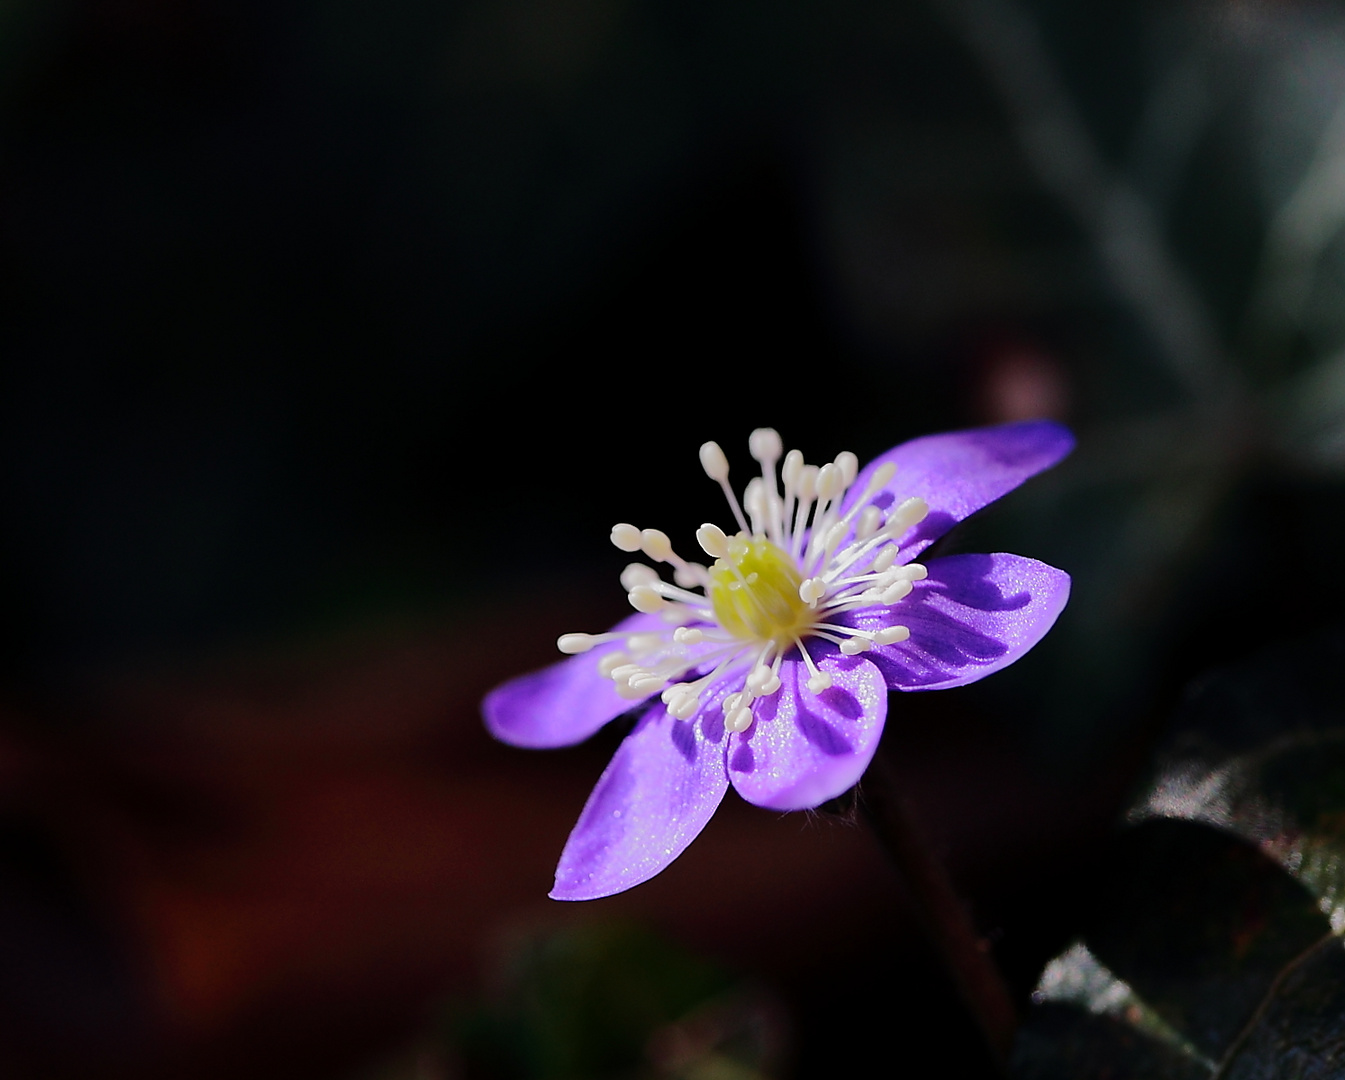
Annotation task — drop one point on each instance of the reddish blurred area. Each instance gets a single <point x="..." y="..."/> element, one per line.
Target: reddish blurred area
<point x="295" y="856"/>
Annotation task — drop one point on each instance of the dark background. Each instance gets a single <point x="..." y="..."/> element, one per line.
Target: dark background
<point x="334" y="337"/>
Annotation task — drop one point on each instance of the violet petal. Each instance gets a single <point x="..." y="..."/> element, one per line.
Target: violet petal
<point x="804" y="748"/>
<point x="973" y="615"/>
<point x="565" y="703"/>
<point x="663" y="784"/>
<point x="959" y="472"/>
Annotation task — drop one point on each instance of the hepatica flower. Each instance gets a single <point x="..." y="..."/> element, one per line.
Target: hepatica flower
<point x="769" y="668"/>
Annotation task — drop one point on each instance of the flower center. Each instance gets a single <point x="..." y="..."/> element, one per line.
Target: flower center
<point x="754" y="591"/>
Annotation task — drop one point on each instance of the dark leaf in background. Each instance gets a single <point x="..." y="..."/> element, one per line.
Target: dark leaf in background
<point x="1213" y="926"/>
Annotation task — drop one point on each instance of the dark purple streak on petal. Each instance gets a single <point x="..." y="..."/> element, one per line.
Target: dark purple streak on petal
<point x="803" y="748"/>
<point x="973" y="615"/>
<point x="663" y="784"/>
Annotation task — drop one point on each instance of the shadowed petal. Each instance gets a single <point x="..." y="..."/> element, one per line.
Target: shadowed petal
<point x="959" y="472"/>
<point x="974" y="614"/>
<point x="661" y="787"/>
<point x="565" y="703"/>
<point x="804" y="748"/>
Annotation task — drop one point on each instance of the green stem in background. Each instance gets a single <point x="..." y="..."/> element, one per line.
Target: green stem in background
<point x="944" y="914"/>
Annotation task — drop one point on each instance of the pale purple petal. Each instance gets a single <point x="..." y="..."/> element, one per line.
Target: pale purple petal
<point x="663" y="784"/>
<point x="565" y="703"/>
<point x="973" y="615"/>
<point x="804" y="748"/>
<point x="959" y="472"/>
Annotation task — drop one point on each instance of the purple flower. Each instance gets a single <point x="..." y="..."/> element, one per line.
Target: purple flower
<point x="770" y="668"/>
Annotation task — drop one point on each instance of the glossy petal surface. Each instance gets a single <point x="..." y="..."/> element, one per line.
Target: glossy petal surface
<point x="959" y="472"/>
<point x="562" y="704"/>
<point x="663" y="784"/>
<point x="973" y="615"/>
<point x="804" y="748"/>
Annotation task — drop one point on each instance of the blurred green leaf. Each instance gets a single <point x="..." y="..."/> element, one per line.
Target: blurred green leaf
<point x="615" y="1001"/>
<point x="1211" y="945"/>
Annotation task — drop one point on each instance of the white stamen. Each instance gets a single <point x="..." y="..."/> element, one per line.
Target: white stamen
<point x="757" y="504"/>
<point x="644" y="598"/>
<point x="891" y="635"/>
<point x="644" y="643"/>
<point x="713" y="541"/>
<point x="830" y="481"/>
<point x="885" y="558"/>
<point x="626" y="537"/>
<point x="812" y="590"/>
<point x="647" y="684"/>
<point x="765" y="446"/>
<point x="763" y="682"/>
<point x="575" y="643"/>
<point x="894" y="592"/>
<point x="740" y="721"/>
<point x="691" y="575"/>
<point x="655" y="544"/>
<point x="855" y="645"/>
<point x="849" y="466"/>
<point x="638" y="574"/>
<point x="909" y="513"/>
<point x="611" y="662"/>
<point x="713" y="461"/>
<point x="688" y="635"/>
<point x="819" y="682"/>
<point x="867" y="525"/>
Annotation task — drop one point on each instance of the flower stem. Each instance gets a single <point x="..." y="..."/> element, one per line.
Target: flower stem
<point x="944" y="914"/>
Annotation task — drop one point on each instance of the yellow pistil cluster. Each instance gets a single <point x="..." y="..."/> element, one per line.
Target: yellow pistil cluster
<point x="754" y="592"/>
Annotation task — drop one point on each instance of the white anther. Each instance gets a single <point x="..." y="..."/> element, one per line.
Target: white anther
<point x="575" y="643"/>
<point x="713" y="461"/>
<point x="914" y="572"/>
<point x="682" y="706"/>
<point x="740" y="721"/>
<point x="830" y="481"/>
<point x="791" y="468"/>
<point x="885" y="558"/>
<point x="812" y="590"/>
<point x="627" y="671"/>
<point x="869" y="519"/>
<point x="807" y="482"/>
<point x="891" y="635"/>
<point x="882" y="476"/>
<point x="819" y="682"/>
<point x="713" y="541"/>
<point x="765" y="446"/>
<point x="834" y="537"/>
<point x="895" y="592"/>
<point x="655" y="544"/>
<point x="688" y="635"/>
<point x="911" y="512"/>
<point x="627" y="691"/>
<point x="756" y="502"/>
<point x="648" y="684"/>
<point x="611" y="662"/>
<point x="854" y="646"/>
<point x="637" y="573"/>
<point x="689" y="575"/>
<point x="760" y="679"/>
<point x="643" y="598"/>
<point x="626" y="537"/>
<point x="849" y="466"/>
<point x="731" y="703"/>
<point x="644" y="643"/>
